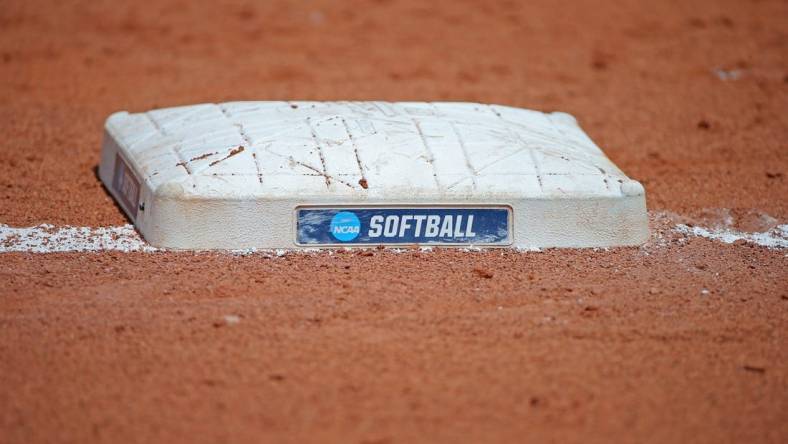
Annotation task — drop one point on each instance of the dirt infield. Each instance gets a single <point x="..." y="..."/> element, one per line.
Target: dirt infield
<point x="681" y="340"/>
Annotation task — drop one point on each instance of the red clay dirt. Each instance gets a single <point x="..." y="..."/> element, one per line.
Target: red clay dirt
<point x="681" y="340"/>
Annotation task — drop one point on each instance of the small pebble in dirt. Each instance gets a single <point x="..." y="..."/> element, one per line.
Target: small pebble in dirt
<point x="482" y="273"/>
<point x="653" y="290"/>
<point x="726" y="75"/>
<point x="704" y="292"/>
<point x="231" y="319"/>
<point x="704" y="125"/>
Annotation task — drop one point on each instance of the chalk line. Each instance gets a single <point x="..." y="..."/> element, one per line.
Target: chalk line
<point x="48" y="238"/>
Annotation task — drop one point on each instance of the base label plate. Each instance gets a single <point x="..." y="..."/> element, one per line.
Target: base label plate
<point x="428" y="225"/>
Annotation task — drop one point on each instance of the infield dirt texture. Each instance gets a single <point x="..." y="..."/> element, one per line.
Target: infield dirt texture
<point x="682" y="340"/>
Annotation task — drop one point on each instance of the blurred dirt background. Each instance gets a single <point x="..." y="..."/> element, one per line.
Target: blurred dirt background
<point x="677" y="341"/>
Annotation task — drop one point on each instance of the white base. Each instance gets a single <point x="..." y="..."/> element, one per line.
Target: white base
<point x="230" y="176"/>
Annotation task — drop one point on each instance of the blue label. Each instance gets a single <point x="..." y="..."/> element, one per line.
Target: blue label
<point x="420" y="225"/>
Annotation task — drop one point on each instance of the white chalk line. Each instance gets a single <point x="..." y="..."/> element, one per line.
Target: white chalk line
<point x="47" y="238"/>
<point x="776" y="238"/>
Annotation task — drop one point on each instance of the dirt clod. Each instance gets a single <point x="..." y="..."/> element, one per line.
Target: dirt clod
<point x="483" y="273"/>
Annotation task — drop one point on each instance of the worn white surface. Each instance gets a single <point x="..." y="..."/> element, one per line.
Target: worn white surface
<point x="230" y="175"/>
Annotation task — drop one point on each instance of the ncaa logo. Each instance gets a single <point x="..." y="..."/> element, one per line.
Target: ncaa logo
<point x="345" y="226"/>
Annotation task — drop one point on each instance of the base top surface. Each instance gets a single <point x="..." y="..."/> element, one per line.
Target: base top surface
<point x="362" y="150"/>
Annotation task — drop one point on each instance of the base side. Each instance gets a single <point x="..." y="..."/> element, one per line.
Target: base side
<point x="112" y="166"/>
<point x="241" y="224"/>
